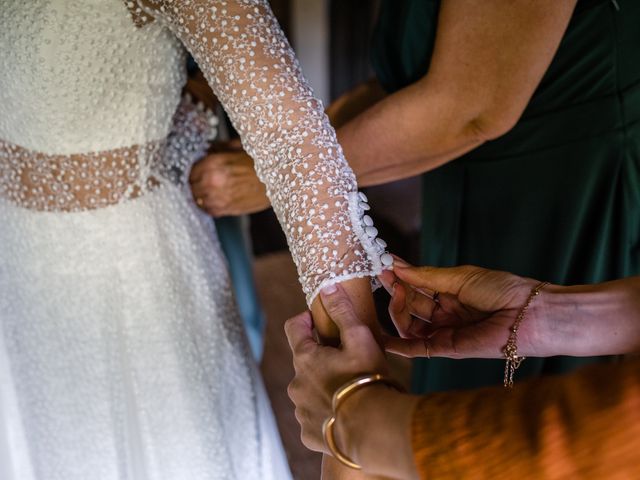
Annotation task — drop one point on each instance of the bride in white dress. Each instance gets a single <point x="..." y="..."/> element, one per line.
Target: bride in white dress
<point x="121" y="352"/>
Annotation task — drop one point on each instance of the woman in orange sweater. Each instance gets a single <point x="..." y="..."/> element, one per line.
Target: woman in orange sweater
<point x="584" y="425"/>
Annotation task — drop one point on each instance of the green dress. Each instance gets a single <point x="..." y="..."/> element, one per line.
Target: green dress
<point x="558" y="197"/>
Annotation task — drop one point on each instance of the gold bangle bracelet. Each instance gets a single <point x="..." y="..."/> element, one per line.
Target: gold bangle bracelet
<point x="339" y="397"/>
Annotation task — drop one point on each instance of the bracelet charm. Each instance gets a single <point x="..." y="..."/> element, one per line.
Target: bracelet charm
<point x="510" y="350"/>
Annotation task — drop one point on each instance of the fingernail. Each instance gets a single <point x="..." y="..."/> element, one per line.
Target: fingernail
<point x="393" y="288"/>
<point x="330" y="289"/>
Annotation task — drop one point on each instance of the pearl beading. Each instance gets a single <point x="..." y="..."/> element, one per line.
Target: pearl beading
<point x="73" y="183"/>
<point x="251" y="67"/>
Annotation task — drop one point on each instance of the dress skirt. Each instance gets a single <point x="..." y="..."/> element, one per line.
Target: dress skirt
<point x="122" y="355"/>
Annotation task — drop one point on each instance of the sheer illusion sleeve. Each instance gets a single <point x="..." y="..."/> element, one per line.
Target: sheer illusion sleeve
<point x="251" y="67"/>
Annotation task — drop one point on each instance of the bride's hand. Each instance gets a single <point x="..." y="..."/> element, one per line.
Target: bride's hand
<point x="225" y="183"/>
<point x="461" y="312"/>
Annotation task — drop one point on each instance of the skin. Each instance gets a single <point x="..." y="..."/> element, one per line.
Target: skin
<point x="225" y="183"/>
<point x="226" y="180"/>
<point x="489" y="58"/>
<point x="471" y="319"/>
<point x="477" y="308"/>
<point x="485" y="69"/>
<point x="358" y="352"/>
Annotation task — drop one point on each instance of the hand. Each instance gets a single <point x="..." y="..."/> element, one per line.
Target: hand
<point x="321" y="370"/>
<point x="471" y="316"/>
<point x="225" y="183"/>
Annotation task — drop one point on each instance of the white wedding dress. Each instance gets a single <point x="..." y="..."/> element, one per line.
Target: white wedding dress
<point x="121" y="352"/>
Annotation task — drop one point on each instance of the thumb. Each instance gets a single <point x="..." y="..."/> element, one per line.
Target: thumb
<point x="340" y="309"/>
<point x="299" y="331"/>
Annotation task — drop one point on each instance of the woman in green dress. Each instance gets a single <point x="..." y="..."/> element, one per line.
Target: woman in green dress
<point x="526" y="116"/>
<point x="558" y="196"/>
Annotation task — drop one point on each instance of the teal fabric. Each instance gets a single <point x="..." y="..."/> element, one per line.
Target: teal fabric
<point x="236" y="247"/>
<point x="558" y="197"/>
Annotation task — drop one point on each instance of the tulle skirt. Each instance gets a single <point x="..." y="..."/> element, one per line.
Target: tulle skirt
<point x="122" y="356"/>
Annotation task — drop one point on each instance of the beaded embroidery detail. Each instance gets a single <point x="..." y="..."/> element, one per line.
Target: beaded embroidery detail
<point x="66" y="160"/>
<point x="86" y="181"/>
<point x="251" y="67"/>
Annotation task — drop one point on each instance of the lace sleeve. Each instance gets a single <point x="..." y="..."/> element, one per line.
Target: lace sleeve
<point x="252" y="69"/>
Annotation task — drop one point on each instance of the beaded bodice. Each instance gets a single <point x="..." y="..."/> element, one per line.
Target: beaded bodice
<point x="89" y="91"/>
<point x="77" y="76"/>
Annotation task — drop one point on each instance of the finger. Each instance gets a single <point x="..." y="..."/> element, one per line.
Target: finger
<point x="243" y="160"/>
<point x="209" y="201"/>
<point x="387" y="279"/>
<point x="211" y="163"/>
<point x="399" y="313"/>
<point x="406" y="347"/>
<point x="201" y="166"/>
<point x="196" y="171"/>
<point x="444" y="342"/>
<point x="450" y="312"/>
<point x="354" y="333"/>
<point x="200" y="190"/>
<point x="213" y="207"/>
<point x="299" y="331"/>
<point x="433" y="279"/>
<point x="339" y="307"/>
<point x="201" y="199"/>
<point x="399" y="263"/>
<point x="213" y="181"/>
<point x="419" y="304"/>
<point x="411" y="312"/>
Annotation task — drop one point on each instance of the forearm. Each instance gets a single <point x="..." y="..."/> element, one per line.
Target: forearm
<point x="409" y="132"/>
<point x="588" y="320"/>
<point x="354" y="102"/>
<point x="484" y="70"/>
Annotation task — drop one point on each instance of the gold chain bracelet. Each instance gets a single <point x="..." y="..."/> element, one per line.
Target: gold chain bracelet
<point x="339" y="397"/>
<point x="510" y="350"/>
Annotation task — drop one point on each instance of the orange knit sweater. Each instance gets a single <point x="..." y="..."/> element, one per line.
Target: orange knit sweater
<point x="585" y="425"/>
